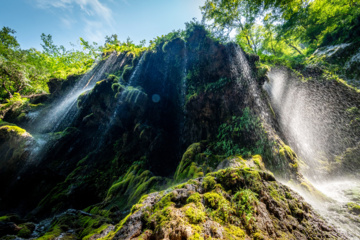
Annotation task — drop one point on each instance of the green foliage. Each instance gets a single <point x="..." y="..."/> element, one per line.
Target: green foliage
<point x="245" y="203"/>
<point x="285" y="32"/>
<point x="163" y="40"/>
<point x="113" y="44"/>
<point x="215" y="86"/>
<point x="16" y="99"/>
<point x="242" y="135"/>
<point x="28" y="71"/>
<point x="60" y="63"/>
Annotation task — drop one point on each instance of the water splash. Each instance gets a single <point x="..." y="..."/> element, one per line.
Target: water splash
<point x="241" y="70"/>
<point x="335" y="211"/>
<point x="311" y="120"/>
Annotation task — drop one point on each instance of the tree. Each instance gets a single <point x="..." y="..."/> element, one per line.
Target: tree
<point x="28" y="71"/>
<point x="234" y="14"/>
<point x="298" y="26"/>
<point x="12" y="72"/>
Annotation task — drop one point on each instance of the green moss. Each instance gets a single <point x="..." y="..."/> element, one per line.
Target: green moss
<point x="162" y="217"/>
<point x="275" y="194"/>
<point x="111" y="235"/>
<point x="96" y="231"/>
<point x="164" y="202"/>
<point x="306" y="187"/>
<point x="128" y="189"/>
<point x="20" y="117"/>
<point x="4" y="218"/>
<point x="24" y="232"/>
<point x="258" y="236"/>
<point x="51" y="234"/>
<point x="213" y="200"/>
<point x="285" y="151"/>
<point x="187" y="168"/>
<point x="194" y="214"/>
<point x="14" y="129"/>
<point x="196" y="236"/>
<point x="354" y="208"/>
<point x="136" y="207"/>
<point x="258" y="162"/>
<point x="194" y="198"/>
<point x="234" y="232"/>
<point x="209" y="183"/>
<point x="143" y="197"/>
<point x="220" y="208"/>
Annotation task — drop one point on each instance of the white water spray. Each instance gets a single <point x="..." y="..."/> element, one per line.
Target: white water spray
<point x="61" y="108"/>
<point x="311" y="122"/>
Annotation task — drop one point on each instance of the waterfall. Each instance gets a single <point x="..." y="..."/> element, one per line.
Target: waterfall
<point x="241" y="70"/>
<point x="62" y="111"/>
<point x="184" y="77"/>
<point x="313" y="124"/>
<point x="128" y="95"/>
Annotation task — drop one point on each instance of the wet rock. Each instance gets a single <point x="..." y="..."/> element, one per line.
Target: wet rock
<point x="168" y="216"/>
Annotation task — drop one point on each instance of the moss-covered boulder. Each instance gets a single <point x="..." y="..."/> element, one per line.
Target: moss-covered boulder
<point x="233" y="203"/>
<point x="15" y="146"/>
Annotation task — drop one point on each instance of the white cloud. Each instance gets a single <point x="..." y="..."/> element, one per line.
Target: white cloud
<point x="95" y="31"/>
<point x="67" y="21"/>
<point x="90" y="7"/>
<point x="96" y="16"/>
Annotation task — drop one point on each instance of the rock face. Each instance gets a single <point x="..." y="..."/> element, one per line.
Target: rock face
<point x="236" y="203"/>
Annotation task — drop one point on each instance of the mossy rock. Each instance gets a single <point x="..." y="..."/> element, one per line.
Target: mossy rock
<point x="196" y="162"/>
<point x="354" y="208"/>
<point x="81" y="224"/>
<point x="235" y="206"/>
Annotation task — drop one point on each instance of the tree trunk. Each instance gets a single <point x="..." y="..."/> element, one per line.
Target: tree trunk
<point x="247" y="38"/>
<point x="7" y="90"/>
<point x="295" y="48"/>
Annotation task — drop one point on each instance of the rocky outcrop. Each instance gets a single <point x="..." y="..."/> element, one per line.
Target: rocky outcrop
<point x="236" y="203"/>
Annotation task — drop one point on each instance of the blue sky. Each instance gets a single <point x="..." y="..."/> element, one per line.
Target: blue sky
<point x="68" y="20"/>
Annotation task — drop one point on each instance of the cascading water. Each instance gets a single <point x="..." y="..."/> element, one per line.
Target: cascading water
<point x="312" y="121"/>
<point x="61" y="113"/>
<point x="242" y="71"/>
<point x="184" y="77"/>
<point x="129" y="94"/>
<point x="60" y="109"/>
